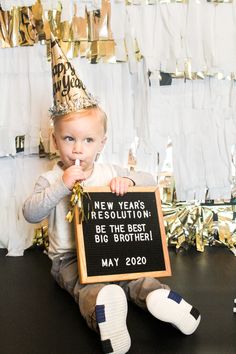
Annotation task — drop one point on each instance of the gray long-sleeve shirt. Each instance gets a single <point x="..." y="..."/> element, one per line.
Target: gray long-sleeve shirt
<point x="50" y="199"/>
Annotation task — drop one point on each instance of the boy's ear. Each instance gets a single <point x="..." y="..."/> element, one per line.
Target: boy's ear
<point x="103" y="142"/>
<point x="54" y="141"/>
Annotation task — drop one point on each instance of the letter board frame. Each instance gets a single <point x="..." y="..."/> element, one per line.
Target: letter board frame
<point x="147" y="234"/>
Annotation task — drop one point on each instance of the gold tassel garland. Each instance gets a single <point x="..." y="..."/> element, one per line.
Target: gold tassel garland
<point x="76" y="201"/>
<point x="190" y="225"/>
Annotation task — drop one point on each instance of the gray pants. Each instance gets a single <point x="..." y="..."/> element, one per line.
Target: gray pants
<point x="65" y="271"/>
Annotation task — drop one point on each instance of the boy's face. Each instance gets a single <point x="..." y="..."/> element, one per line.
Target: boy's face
<point x="80" y="136"/>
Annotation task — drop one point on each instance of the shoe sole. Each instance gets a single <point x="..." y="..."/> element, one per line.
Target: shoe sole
<point x="168" y="306"/>
<point x="111" y="313"/>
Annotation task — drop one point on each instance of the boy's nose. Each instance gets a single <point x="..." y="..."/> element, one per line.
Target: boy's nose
<point x="77" y="148"/>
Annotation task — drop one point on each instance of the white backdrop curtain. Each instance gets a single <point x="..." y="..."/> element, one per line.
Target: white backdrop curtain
<point x="199" y="116"/>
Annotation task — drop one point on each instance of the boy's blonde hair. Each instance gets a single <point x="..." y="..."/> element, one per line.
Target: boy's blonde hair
<point x="83" y="112"/>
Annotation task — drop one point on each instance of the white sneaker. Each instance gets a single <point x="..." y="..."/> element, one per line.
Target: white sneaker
<point x="168" y="306"/>
<point x="111" y="313"/>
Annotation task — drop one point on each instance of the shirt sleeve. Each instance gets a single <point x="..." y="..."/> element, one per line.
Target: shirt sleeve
<point x="43" y="199"/>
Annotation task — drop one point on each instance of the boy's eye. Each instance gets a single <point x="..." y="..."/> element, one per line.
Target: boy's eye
<point x="89" y="140"/>
<point x="68" y="138"/>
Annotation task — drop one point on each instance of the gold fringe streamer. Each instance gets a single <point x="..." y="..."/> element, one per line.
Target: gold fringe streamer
<point x="76" y="201"/>
<point x="41" y="237"/>
<point x="89" y="37"/>
<point x="199" y="226"/>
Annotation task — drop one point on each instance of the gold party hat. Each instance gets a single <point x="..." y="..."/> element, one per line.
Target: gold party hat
<point x="69" y="92"/>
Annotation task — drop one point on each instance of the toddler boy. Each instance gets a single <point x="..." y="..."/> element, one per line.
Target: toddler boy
<point x="80" y="135"/>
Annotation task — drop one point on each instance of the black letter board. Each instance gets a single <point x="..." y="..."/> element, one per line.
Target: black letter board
<point x="123" y="238"/>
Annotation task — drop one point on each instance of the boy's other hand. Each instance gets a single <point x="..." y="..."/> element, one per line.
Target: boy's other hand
<point x="120" y="185"/>
<point x="71" y="175"/>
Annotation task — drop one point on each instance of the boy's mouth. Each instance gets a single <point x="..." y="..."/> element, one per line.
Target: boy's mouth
<point x="74" y="162"/>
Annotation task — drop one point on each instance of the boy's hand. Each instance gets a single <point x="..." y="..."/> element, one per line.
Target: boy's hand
<point x="71" y="175"/>
<point x="120" y="185"/>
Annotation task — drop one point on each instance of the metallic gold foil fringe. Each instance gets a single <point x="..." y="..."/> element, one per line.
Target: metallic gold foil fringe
<point x="41" y="237"/>
<point x="77" y="201"/>
<point x="199" y="226"/>
<point x="89" y="36"/>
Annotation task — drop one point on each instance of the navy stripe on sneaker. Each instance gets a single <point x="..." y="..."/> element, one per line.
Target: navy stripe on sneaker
<point x="106" y="346"/>
<point x="174" y="296"/>
<point x="100" y="313"/>
<point x="195" y="313"/>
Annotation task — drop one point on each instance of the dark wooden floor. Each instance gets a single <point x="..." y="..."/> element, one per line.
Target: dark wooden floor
<point x="37" y="317"/>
